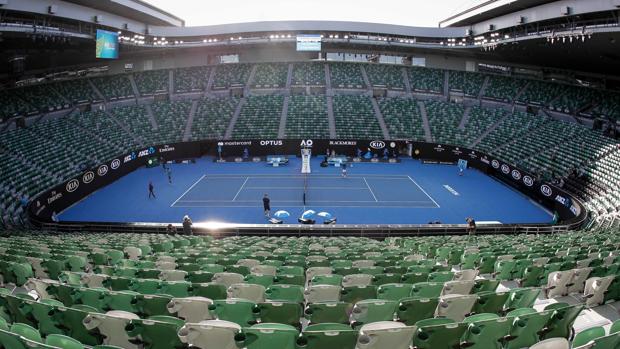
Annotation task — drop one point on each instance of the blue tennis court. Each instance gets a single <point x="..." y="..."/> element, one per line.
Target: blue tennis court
<point x="404" y="193"/>
<point x="352" y="191"/>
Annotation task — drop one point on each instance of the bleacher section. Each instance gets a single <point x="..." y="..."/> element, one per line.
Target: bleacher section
<point x="193" y="79"/>
<point x="467" y="82"/>
<point x="152" y="82"/>
<point x="444" y="119"/>
<point x="157" y="291"/>
<point x="11" y="104"/>
<point x="259" y="118"/>
<point x="346" y="75"/>
<point x="136" y="119"/>
<point x="573" y="99"/>
<point x="504" y="88"/>
<point x="76" y="91"/>
<point x="229" y="75"/>
<point x="307" y="117"/>
<point x="114" y="86"/>
<point x="426" y="79"/>
<point x="171" y="118"/>
<point x="480" y="119"/>
<point x="270" y="75"/>
<point x="309" y="74"/>
<point x="512" y="127"/>
<point x="385" y="75"/>
<point x="212" y="117"/>
<point x="44" y="98"/>
<point x="355" y="116"/>
<point x="540" y="93"/>
<point x="402" y="117"/>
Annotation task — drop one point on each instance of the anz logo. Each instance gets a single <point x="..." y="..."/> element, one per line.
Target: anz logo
<point x="377" y="144"/>
<point x="307" y="143"/>
<point x="72" y="185"/>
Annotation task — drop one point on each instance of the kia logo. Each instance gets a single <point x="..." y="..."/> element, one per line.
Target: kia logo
<point x="377" y="144"/>
<point x="529" y="181"/>
<point x="546" y="190"/>
<point x="116" y="163"/>
<point x="88" y="177"/>
<point x="102" y="170"/>
<point x="505" y="169"/>
<point x="495" y="164"/>
<point x="72" y="185"/>
<point x="516" y="174"/>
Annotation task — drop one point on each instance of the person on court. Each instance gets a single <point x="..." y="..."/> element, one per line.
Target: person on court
<point x="169" y="173"/>
<point x="344" y="170"/>
<point x="151" y="190"/>
<point x="267" y="205"/>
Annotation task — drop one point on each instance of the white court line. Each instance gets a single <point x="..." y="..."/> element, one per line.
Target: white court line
<point x="373" y="194"/>
<point x="241" y="188"/>
<point x="295" y="206"/>
<point x="312" y="188"/>
<point x="424" y="191"/>
<point x="218" y="176"/>
<point x="188" y="189"/>
<point x="276" y="201"/>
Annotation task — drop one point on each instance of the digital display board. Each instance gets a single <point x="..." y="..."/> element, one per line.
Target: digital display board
<point x="309" y="42"/>
<point x="107" y="44"/>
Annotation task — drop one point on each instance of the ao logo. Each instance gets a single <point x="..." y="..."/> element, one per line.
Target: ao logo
<point x="546" y="190"/>
<point x="505" y="169"/>
<point x="220" y="143"/>
<point x="72" y="185"/>
<point x="88" y="177"/>
<point x="516" y="174"/>
<point x="306" y="143"/>
<point x="102" y="170"/>
<point x="116" y="163"/>
<point x="529" y="181"/>
<point x="495" y="164"/>
<point x="377" y="144"/>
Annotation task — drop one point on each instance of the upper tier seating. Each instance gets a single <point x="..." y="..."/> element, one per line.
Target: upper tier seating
<point x="227" y="75"/>
<point x="444" y="119"/>
<point x="346" y="75"/>
<point x="270" y="75"/>
<point x="152" y="82"/>
<point x="504" y="88"/>
<point x="467" y="82"/>
<point x="114" y="86"/>
<point x="426" y="79"/>
<point x="171" y="118"/>
<point x="540" y="93"/>
<point x="386" y="75"/>
<point x="193" y="79"/>
<point x="312" y="74"/>
<point x="76" y="91"/>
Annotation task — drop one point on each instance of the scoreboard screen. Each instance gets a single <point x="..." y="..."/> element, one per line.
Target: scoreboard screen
<point x="309" y="42"/>
<point x="107" y="44"/>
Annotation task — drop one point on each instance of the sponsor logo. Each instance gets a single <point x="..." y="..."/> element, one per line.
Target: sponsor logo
<point x="306" y="143"/>
<point x="342" y="142"/>
<point x="102" y="170"/>
<point x="416" y="152"/>
<point x="72" y="185"/>
<point x="166" y="149"/>
<point x="574" y="210"/>
<point x="39" y="210"/>
<point x="377" y="144"/>
<point x="88" y="177"/>
<point x="439" y="148"/>
<point x="53" y="197"/>
<point x="528" y="180"/>
<point x="233" y="143"/>
<point x="129" y="157"/>
<point x="505" y="169"/>
<point x="561" y="199"/>
<point x="516" y="175"/>
<point x="484" y="160"/>
<point x="116" y="163"/>
<point x="38" y="203"/>
<point x="392" y="145"/>
<point x="271" y="142"/>
<point x="546" y="190"/>
<point x="473" y="155"/>
<point x="146" y="152"/>
<point x="495" y="164"/>
<point x="457" y="151"/>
